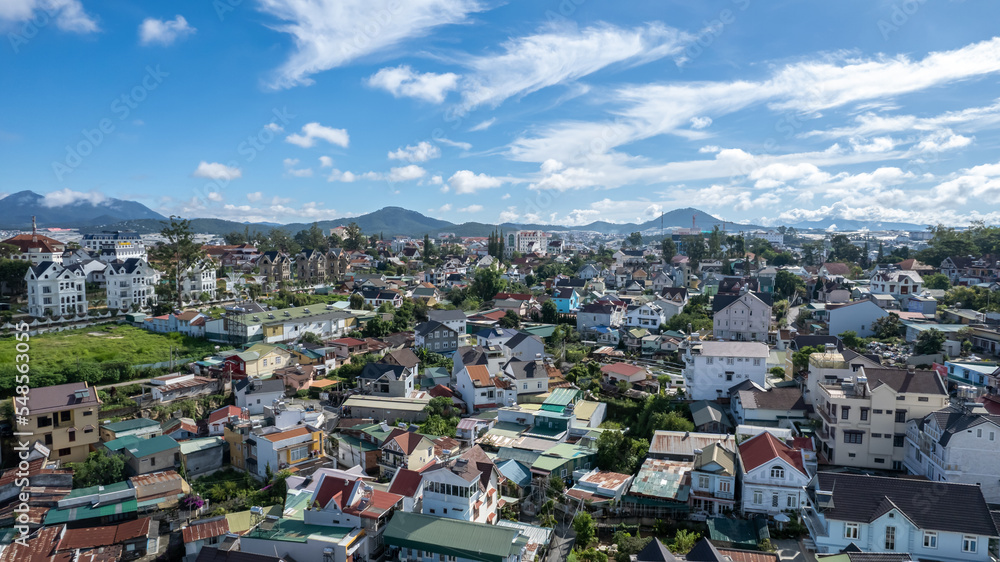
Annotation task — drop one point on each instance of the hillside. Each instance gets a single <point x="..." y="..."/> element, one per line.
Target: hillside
<point x="18" y="208"/>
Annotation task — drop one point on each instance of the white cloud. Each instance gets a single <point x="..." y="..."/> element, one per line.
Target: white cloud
<point x="456" y="144"/>
<point x="483" y="125"/>
<point x="436" y="180"/>
<point x="442" y="209"/>
<point x="331" y="33"/>
<point x="509" y="215"/>
<point x="700" y="122"/>
<point x="69" y="197"/>
<point x="402" y="81"/>
<point x="68" y="14"/>
<point x="505" y="196"/>
<point x="420" y="152"/>
<point x="406" y="173"/>
<point x="467" y="181"/>
<point x="877" y="144"/>
<point x="325" y="162"/>
<point x="942" y="140"/>
<point x="164" y="32"/>
<point x="471" y="209"/>
<point x="274" y="127"/>
<point x="300" y="172"/>
<point x="290" y="161"/>
<point x="709" y="149"/>
<point x="313" y="131"/>
<point x="217" y="171"/>
<point x="255" y="196"/>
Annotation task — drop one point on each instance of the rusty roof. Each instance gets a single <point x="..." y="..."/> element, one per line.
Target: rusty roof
<point x="282" y="435"/>
<point x="201" y="530"/>
<point x="480" y="375"/>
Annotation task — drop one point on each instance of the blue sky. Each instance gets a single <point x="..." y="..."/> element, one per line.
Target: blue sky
<point x="561" y="112"/>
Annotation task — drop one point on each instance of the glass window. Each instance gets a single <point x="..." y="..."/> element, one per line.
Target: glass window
<point x="890" y="538"/>
<point x="852" y="530"/>
<point x="777" y="472"/>
<point x="758" y="497"/>
<point x="969" y="543"/>
<point x="930" y="539"/>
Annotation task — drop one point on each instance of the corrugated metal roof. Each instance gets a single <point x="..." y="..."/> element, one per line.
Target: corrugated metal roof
<point x="56" y="516"/>
<point x="662" y="479"/>
<point x="462" y="539"/>
<point x="203" y="444"/>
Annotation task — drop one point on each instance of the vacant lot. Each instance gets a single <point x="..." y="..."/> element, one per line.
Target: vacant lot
<point x="63" y="351"/>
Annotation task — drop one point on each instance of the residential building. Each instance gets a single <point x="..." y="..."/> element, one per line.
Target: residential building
<point x="713" y="481"/>
<point x="64" y="419"/>
<point x="343" y="500"/>
<point x="279" y="450"/>
<point x="177" y="386"/>
<point x="566" y="300"/>
<point x="386" y="408"/>
<point x="405" y="449"/>
<point x="750" y="404"/>
<point x="197" y="282"/>
<point x="348" y="347"/>
<point x="617" y="372"/>
<point x="454" y="319"/>
<point x="36" y="248"/>
<point x="527" y="377"/>
<point x="381" y="379"/>
<point x="119" y="245"/>
<point x="275" y="267"/>
<point x="711" y="368"/>
<point x="416" y="537"/>
<point x="218" y="419"/>
<point x="436" y="336"/>
<point x="311" y="266"/>
<point x="131" y="284"/>
<point x="898" y="283"/>
<point x="143" y="456"/>
<point x="54" y="290"/>
<point x="977" y="373"/>
<point x="647" y="315"/>
<point x="672" y="301"/>
<point x="139" y="427"/>
<point x="202" y="456"/>
<point x="742" y="317"/>
<point x="253" y="394"/>
<point x="464" y="487"/>
<point x="610" y="314"/>
<point x="773" y="475"/>
<point x="710" y="417"/>
<point x="376" y="296"/>
<point x="856" y="316"/>
<point x="180" y="428"/>
<point x="865" y="417"/>
<point x="480" y="389"/>
<point x="932" y="521"/>
<point x="258" y="360"/>
<point x="956" y="444"/>
<point x="524" y="347"/>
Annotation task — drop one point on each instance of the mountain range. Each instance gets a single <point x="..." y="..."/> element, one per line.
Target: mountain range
<point x="117" y="214"/>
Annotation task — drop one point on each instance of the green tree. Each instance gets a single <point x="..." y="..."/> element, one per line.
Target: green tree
<point x="441" y="406"/>
<point x="671" y="421"/>
<point x="586" y="530"/>
<point x="550" y="312"/>
<point x="177" y="252"/>
<point x="694" y="247"/>
<point x="843" y="250"/>
<point x="441" y="427"/>
<point x="800" y="359"/>
<point x="929" y="342"/>
<point x="715" y="243"/>
<point x="486" y="284"/>
<point x="937" y="281"/>
<point x="887" y="327"/>
<point x="376" y="328"/>
<point x="683" y="541"/>
<point x="355" y="239"/>
<point x="100" y="469"/>
<point x="634" y="239"/>
<point x="312" y="238"/>
<point x="357" y="301"/>
<point x="851" y="339"/>
<point x="668" y="248"/>
<point x="787" y="284"/>
<point x="510" y="319"/>
<point x="278" y="240"/>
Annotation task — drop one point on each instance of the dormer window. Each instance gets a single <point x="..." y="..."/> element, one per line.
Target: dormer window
<point x="777" y="472"/>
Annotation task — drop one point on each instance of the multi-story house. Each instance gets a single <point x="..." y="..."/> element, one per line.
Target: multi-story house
<point x="743" y="317"/>
<point x="648" y="315"/>
<point x="311" y="266"/>
<point x="937" y="521"/>
<point x="341" y="499"/>
<point x="435" y="336"/>
<point x="898" y="283"/>
<point x="672" y="301"/>
<point x="35" y="247"/>
<point x="275" y="267"/>
<point x="956" y="444"/>
<point x="566" y="300"/>
<point x="527" y="242"/>
<point x="463" y="488"/>
<point x="269" y="448"/>
<point x="198" y="280"/>
<point x="712" y="368"/>
<point x="381" y="379"/>
<point x="119" y="245"/>
<point x="481" y="390"/>
<point x="131" y="284"/>
<point x="415" y="537"/>
<point x="527" y="377"/>
<point x="609" y="314"/>
<point x="254" y="394"/>
<point x="64" y="419"/>
<point x="713" y="481"/>
<point x="55" y="291"/>
<point x="376" y="296"/>
<point x="773" y="475"/>
<point x="864" y="418"/>
<point x="405" y="449"/>
<point x="857" y="316"/>
<point x="454" y="319"/>
<point x="337" y="262"/>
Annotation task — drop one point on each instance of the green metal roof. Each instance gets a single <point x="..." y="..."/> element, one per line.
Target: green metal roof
<point x="559" y="399"/>
<point x="540" y="331"/>
<point x="145" y="447"/>
<point x="110" y="488"/>
<point x="451" y="537"/>
<point x="130" y="425"/>
<point x="122" y="442"/>
<point x="56" y="516"/>
<point x="355" y="442"/>
<point x="203" y="444"/>
<point x="738" y="531"/>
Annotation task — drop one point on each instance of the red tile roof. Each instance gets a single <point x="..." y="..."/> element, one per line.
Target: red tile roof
<point x="336" y="489"/>
<point x="441" y="390"/>
<point x="764" y="448"/>
<point x="406" y="440"/>
<point x="405" y="482"/>
<point x="282" y="435"/>
<point x="205" y="530"/>
<point x="225" y="413"/>
<point x="623" y="369"/>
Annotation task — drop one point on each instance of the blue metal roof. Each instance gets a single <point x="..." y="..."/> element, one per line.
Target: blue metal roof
<point x="515" y="472"/>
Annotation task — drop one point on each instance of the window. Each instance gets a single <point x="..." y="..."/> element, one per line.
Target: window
<point x="729" y="360"/>
<point x="774" y="500"/>
<point x="876" y="435"/>
<point x="710" y="360"/>
<point x="66" y="451"/>
<point x="854" y="437"/>
<point x="724" y="486"/>
<point x="48" y="439"/>
<point x="890" y="538"/>
<point x="897" y="440"/>
<point x="930" y="539"/>
<point x="845" y="412"/>
<point x="72" y="435"/>
<point x="900" y="416"/>
<point x="923" y="399"/>
<point x="852" y="530"/>
<point x="44" y="421"/>
<point x="152" y="461"/>
<point x="979" y="433"/>
<point x="777" y="472"/>
<point x="758" y="497"/>
<point x="298" y="453"/>
<point x="793" y="502"/>
<point x="969" y="543"/>
<point x="729" y="376"/>
<point x="756" y="362"/>
<point x="876" y="411"/>
<point x="879" y="460"/>
<point x="65" y="415"/>
<point x="703" y="481"/>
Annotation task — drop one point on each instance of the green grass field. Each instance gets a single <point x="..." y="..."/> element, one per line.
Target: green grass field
<point x="59" y="352"/>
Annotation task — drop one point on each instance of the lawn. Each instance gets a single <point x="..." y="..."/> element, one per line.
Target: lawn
<point x="62" y="351"/>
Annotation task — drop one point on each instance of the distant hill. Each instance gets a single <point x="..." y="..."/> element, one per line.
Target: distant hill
<point x="845" y="224"/>
<point x="682" y="218"/>
<point x="18" y="208"/>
